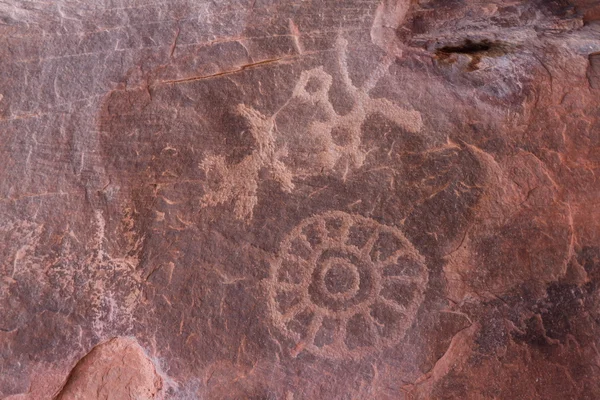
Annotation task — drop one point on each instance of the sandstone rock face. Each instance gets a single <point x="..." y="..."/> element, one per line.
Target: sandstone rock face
<point x="277" y="199"/>
<point x="117" y="369"/>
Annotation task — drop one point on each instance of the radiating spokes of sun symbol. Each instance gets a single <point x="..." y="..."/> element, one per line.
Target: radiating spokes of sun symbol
<point x="344" y="286"/>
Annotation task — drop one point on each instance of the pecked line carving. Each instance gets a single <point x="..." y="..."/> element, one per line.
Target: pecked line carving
<point x="345" y="286"/>
<point x="332" y="142"/>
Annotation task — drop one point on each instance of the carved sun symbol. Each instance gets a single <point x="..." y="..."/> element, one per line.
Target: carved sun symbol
<point x="344" y="286"/>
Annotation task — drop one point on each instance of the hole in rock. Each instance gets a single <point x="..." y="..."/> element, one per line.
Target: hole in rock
<point x="468" y="47"/>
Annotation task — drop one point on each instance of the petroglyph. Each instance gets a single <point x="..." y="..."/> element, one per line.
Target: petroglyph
<point x="328" y="142"/>
<point x="338" y="137"/>
<point x="239" y="182"/>
<point x="344" y="286"/>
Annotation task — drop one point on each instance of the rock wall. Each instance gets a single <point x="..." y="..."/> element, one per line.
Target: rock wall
<point x="280" y="199"/>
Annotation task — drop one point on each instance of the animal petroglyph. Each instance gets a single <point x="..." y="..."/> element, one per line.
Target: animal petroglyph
<point x="321" y="145"/>
<point x="239" y="182"/>
<point x="345" y="286"/>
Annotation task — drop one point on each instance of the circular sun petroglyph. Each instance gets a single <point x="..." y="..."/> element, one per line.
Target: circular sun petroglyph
<point x="344" y="286"/>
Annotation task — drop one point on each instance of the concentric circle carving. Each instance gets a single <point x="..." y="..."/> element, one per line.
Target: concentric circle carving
<point x="344" y="286"/>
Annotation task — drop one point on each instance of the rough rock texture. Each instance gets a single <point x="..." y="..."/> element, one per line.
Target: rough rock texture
<point x="284" y="199"/>
<point x="117" y="369"/>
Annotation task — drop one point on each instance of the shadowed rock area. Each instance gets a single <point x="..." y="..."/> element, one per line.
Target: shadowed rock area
<point x="234" y="199"/>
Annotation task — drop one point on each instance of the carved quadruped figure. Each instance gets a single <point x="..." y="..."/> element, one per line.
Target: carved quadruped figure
<point x="239" y="182"/>
<point x="344" y="286"/>
<point x="329" y="143"/>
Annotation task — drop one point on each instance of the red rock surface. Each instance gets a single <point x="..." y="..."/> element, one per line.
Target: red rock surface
<point x="117" y="369"/>
<point x="299" y="199"/>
